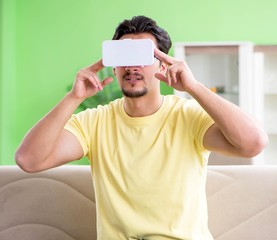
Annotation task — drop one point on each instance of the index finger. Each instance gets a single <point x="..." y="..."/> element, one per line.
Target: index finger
<point x="96" y="66"/>
<point x="164" y="57"/>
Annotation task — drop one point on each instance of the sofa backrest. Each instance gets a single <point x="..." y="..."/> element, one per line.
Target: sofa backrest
<point x="59" y="203"/>
<point x="242" y="202"/>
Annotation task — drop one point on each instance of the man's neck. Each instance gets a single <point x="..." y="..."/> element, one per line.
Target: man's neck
<point x="142" y="106"/>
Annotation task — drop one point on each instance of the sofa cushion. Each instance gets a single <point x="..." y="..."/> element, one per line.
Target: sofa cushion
<point x="59" y="203"/>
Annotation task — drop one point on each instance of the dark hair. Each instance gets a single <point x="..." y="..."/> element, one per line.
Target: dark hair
<point x="142" y="24"/>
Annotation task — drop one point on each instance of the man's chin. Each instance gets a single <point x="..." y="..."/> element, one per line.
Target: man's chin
<point x="134" y="94"/>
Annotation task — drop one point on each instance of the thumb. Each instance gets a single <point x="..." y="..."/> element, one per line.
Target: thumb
<point x="161" y="77"/>
<point x="106" y="81"/>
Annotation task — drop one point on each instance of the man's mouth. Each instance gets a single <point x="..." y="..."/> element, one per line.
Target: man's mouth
<point x="133" y="77"/>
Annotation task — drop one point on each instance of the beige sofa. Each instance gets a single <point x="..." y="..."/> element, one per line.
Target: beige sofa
<point x="59" y="204"/>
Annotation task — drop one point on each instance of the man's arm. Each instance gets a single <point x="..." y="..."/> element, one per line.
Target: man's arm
<point x="234" y="132"/>
<point x="48" y="144"/>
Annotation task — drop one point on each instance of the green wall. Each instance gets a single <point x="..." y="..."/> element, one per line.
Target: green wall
<point x="44" y="43"/>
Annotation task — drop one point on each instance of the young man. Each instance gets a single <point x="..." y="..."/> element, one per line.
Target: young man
<point x="148" y="152"/>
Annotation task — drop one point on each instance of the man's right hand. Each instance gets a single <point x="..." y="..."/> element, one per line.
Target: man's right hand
<point x="48" y="144"/>
<point x="87" y="82"/>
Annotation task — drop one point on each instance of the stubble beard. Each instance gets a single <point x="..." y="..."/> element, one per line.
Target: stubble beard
<point x="134" y="93"/>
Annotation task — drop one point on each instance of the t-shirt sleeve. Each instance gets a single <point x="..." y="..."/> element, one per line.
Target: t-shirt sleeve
<point x="75" y="125"/>
<point x="198" y="121"/>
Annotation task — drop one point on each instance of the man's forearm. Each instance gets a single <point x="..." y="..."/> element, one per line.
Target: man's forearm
<point x="40" y="141"/>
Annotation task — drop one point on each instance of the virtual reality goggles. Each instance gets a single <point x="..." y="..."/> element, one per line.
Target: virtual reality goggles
<point x="128" y="52"/>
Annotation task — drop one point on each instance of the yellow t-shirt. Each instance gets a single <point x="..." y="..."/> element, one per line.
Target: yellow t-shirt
<point x="149" y="173"/>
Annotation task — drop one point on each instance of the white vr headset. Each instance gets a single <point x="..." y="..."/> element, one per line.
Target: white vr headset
<point x="128" y="52"/>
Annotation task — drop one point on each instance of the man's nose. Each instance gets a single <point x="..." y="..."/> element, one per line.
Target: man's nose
<point x="132" y="68"/>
